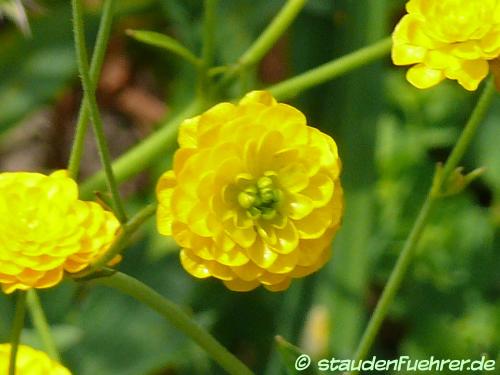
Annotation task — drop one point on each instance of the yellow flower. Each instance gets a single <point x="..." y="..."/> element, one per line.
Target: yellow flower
<point x="30" y="362"/>
<point x="254" y="197"/>
<point x="45" y="230"/>
<point x="447" y="39"/>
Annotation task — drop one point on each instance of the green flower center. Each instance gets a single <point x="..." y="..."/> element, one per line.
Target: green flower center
<point x="261" y="199"/>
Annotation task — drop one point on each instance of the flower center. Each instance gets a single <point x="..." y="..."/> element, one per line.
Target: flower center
<point x="261" y="199"/>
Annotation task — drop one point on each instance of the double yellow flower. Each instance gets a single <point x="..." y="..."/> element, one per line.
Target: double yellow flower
<point x="452" y="39"/>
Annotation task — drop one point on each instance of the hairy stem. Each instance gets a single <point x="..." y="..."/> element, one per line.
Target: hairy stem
<point x="95" y="69"/>
<point x="95" y="116"/>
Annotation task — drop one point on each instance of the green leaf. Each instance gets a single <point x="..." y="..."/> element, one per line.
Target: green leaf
<point x="164" y="41"/>
<point x="294" y="358"/>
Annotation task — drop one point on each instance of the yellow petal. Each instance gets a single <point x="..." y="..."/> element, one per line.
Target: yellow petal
<point x="297" y="206"/>
<point x="194" y="265"/>
<point x="407" y="54"/>
<point x="247" y="272"/>
<point x="238" y="285"/>
<point x="319" y="190"/>
<point x="280" y="286"/>
<point x="470" y="74"/>
<point x="261" y="254"/>
<point x="188" y="132"/>
<point x="261" y="97"/>
<point x="424" y="77"/>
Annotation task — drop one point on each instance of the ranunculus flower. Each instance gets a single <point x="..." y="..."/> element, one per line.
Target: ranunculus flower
<point x="447" y="39"/>
<point x="46" y="230"/>
<point x="254" y="196"/>
<point x="30" y="362"/>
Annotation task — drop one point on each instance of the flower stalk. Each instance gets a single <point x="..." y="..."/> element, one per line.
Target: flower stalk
<point x="175" y="315"/>
<point x="89" y="91"/>
<point x="41" y="325"/>
<point x="207" y="59"/>
<point x="17" y="327"/>
<point x="128" y="229"/>
<point x="95" y="69"/>
<point x="336" y="68"/>
<point x="433" y="196"/>
<point x="150" y="149"/>
<point x="267" y="39"/>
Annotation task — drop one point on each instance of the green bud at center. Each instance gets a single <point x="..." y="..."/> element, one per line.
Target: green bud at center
<point x="261" y="199"/>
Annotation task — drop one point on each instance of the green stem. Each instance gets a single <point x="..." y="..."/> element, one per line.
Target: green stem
<point x="268" y="38"/>
<point x="173" y="313"/>
<point x="323" y="73"/>
<point x="95" y="69"/>
<point x="142" y="155"/>
<point x="272" y="33"/>
<point x="41" y="325"/>
<point x="89" y="91"/>
<point x="412" y="241"/>
<point x="127" y="230"/>
<point x="469" y="131"/>
<point x="208" y="49"/>
<point x="17" y="327"/>
<point x="145" y="153"/>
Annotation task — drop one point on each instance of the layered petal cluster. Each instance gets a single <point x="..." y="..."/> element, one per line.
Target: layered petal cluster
<point x="30" y="362"/>
<point x="447" y="39"/>
<point x="46" y="230"/>
<point x="254" y="197"/>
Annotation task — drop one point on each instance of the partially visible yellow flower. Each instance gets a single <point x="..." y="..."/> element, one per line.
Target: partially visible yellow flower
<point x="447" y="39"/>
<point x="45" y="230"/>
<point x="30" y="362"/>
<point x="254" y="197"/>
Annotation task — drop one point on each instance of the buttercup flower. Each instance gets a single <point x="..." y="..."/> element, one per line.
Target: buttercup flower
<point x="45" y="230"/>
<point x="30" y="362"/>
<point x="254" y="197"/>
<point x="448" y="39"/>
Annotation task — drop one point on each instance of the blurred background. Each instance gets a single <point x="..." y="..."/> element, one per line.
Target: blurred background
<point x="390" y="136"/>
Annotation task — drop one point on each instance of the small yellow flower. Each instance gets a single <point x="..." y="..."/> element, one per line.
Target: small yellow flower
<point x="452" y="39"/>
<point x="45" y="230"/>
<point x="254" y="197"/>
<point x="30" y="362"/>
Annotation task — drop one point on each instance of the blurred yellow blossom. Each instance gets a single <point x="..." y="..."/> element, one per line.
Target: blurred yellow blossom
<point x="254" y="197"/>
<point x="452" y="39"/>
<point x="45" y="230"/>
<point x="30" y="362"/>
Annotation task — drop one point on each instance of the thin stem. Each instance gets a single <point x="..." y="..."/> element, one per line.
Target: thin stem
<point x="173" y="313"/>
<point x="268" y="38"/>
<point x="127" y="230"/>
<point x="412" y="241"/>
<point x="89" y="91"/>
<point x="17" y="327"/>
<point x="395" y="280"/>
<point x="323" y="73"/>
<point x="143" y="154"/>
<point x="95" y="69"/>
<point x="208" y="52"/>
<point x="41" y="325"/>
<point x="469" y="131"/>
<point x="272" y="33"/>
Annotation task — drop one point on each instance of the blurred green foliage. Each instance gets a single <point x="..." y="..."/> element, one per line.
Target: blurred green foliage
<point x="390" y="137"/>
